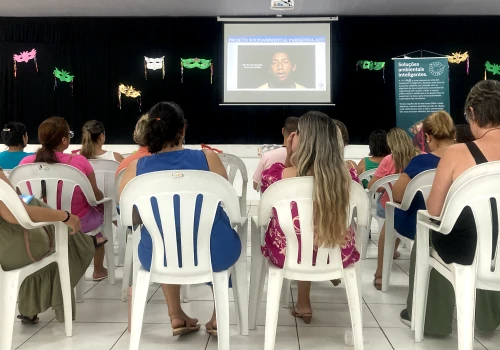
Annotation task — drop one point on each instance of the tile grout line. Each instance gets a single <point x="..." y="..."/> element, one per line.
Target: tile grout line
<point x="38" y="331"/>
<point x="116" y="342"/>
<point x="386" y="337"/>
<point x="295" y="318"/>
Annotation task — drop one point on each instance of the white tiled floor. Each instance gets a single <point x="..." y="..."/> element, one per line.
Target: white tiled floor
<point x="101" y="321"/>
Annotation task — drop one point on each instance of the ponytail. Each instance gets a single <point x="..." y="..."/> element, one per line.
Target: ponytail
<point x="88" y="149"/>
<point x="46" y="155"/>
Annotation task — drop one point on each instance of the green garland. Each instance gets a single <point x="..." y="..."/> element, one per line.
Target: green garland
<point x="371" y="65"/>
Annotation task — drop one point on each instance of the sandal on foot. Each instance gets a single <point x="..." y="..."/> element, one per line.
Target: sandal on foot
<point x="305" y="316"/>
<point x="27" y="320"/>
<point x="184" y="329"/>
<point x="209" y="327"/>
<point x="396" y="255"/>
<point x="97" y="245"/>
<point x="377" y="283"/>
<point x="97" y="279"/>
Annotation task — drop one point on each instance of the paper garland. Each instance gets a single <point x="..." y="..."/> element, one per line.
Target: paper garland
<point x="154" y="64"/>
<point x="371" y="65"/>
<point x="199" y="63"/>
<point x="63" y="76"/>
<point x="128" y="91"/>
<point x="25" y="56"/>
<point x="493" y="68"/>
<point x="458" y="57"/>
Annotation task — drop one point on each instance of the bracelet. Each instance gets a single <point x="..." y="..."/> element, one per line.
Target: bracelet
<point x="67" y="218"/>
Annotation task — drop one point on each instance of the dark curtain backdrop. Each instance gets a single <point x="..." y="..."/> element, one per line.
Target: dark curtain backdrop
<point x="104" y="52"/>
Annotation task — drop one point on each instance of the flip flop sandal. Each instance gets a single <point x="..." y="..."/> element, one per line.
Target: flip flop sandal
<point x="99" y="278"/>
<point x="305" y="316"/>
<point x="378" y="286"/>
<point x="27" y="320"/>
<point x="185" y="329"/>
<point x="211" y="329"/>
<point x="97" y="245"/>
<point x="336" y="282"/>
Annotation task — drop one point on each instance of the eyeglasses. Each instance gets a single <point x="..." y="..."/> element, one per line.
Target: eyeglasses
<point x="71" y="134"/>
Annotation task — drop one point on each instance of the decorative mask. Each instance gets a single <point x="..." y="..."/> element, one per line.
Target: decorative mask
<point x="25" y="56"/>
<point x="200" y="63"/>
<point x="154" y="64"/>
<point x="128" y="91"/>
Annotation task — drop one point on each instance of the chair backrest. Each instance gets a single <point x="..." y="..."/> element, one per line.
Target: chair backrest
<point x="15" y="205"/>
<point x="118" y="179"/>
<point x="359" y="206"/>
<point x="421" y="183"/>
<point x="66" y="176"/>
<point x="233" y="164"/>
<point x="105" y="171"/>
<point x="367" y="175"/>
<point x="183" y="187"/>
<point x="480" y="194"/>
<point x="385" y="182"/>
<point x="279" y="196"/>
<point x="7" y="172"/>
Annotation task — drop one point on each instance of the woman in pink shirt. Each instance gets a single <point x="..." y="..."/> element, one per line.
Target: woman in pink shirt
<point x="54" y="135"/>
<point x="402" y="151"/>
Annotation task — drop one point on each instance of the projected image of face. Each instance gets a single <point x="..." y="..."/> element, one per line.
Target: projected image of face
<point x="282" y="66"/>
<point x="281" y="73"/>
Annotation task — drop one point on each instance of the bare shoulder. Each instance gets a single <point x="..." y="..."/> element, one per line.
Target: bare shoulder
<point x="289" y="172"/>
<point x="460" y="149"/>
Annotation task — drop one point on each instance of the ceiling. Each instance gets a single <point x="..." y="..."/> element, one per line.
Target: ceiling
<point x="241" y="8"/>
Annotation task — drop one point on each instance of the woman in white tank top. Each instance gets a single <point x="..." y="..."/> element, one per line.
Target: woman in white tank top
<point x="93" y="138"/>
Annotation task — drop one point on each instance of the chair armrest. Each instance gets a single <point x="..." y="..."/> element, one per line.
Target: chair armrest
<point x="423" y="218"/>
<point x="104" y="200"/>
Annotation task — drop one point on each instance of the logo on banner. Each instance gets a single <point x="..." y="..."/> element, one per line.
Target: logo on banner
<point x="436" y="68"/>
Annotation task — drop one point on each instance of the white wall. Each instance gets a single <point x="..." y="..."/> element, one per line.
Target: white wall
<point x="248" y="153"/>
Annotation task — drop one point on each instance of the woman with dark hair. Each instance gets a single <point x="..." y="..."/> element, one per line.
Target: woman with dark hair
<point x="93" y="137"/>
<point x="379" y="149"/>
<point x="164" y="138"/>
<point x="463" y="133"/>
<point x="482" y="110"/>
<point x="15" y="137"/>
<point x="54" y="135"/>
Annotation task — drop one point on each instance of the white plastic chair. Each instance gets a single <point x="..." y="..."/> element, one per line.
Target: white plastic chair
<point x="233" y="164"/>
<point x="328" y="264"/>
<point x="187" y="185"/>
<point x="10" y="281"/>
<point x="386" y="183"/>
<point x="105" y="171"/>
<point x="70" y="177"/>
<point x="360" y="217"/>
<point x="421" y="183"/>
<point x="474" y="188"/>
<point x="366" y="175"/>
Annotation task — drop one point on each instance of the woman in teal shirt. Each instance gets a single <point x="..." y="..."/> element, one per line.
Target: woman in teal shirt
<point x="15" y="137"/>
<point x="378" y="150"/>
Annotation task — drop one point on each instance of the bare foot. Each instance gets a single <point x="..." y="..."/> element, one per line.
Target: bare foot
<point x="211" y="326"/>
<point x="100" y="239"/>
<point x="303" y="309"/>
<point x="396" y="255"/>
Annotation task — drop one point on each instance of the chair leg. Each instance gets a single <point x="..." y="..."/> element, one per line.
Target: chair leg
<point x="122" y="234"/>
<point x="390" y="241"/>
<point x="185" y="293"/>
<point x="365" y="237"/>
<point x="109" y="249"/>
<point x="221" y="296"/>
<point x="64" y="277"/>
<point x="274" y="285"/>
<point x="257" y="275"/>
<point x="8" y="301"/>
<point x="465" y="291"/>
<point x="285" y="294"/>
<point x="240" y="293"/>
<point x="421" y="282"/>
<point x="355" y="306"/>
<point x="139" y="296"/>
<point x="80" y="290"/>
<point x="127" y="268"/>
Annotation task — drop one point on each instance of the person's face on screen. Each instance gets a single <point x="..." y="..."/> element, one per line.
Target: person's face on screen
<point x="281" y="66"/>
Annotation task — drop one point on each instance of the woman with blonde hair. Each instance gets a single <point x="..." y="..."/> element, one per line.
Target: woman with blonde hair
<point x="439" y="134"/>
<point x="316" y="149"/>
<point x="140" y="139"/>
<point x="402" y="151"/>
<point x="93" y="137"/>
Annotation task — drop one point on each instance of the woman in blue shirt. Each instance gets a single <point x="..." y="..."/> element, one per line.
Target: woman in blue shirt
<point x="15" y="137"/>
<point x="164" y="138"/>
